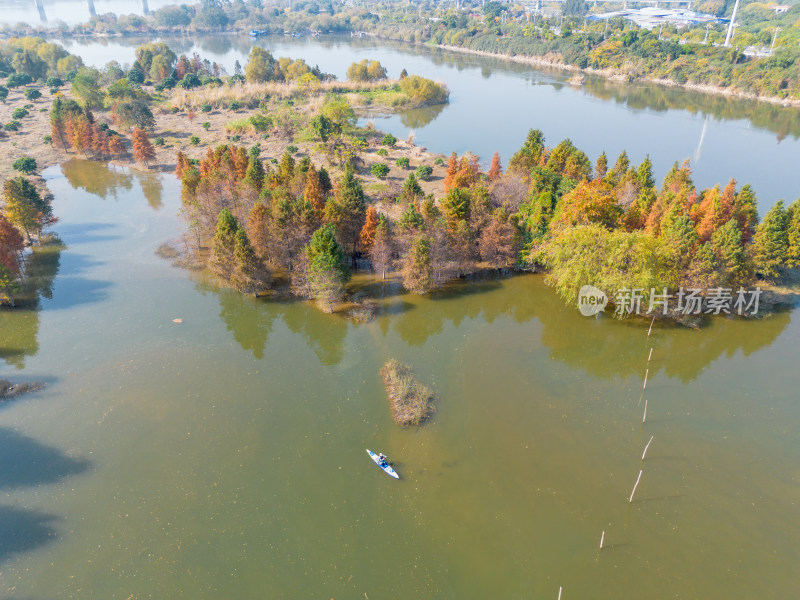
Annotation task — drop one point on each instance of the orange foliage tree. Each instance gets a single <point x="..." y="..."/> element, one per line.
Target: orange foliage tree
<point x="143" y="150"/>
<point x="496" y="170"/>
<point x="368" y="231"/>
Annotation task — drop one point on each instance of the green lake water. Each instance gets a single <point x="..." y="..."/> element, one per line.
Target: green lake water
<point x="223" y="457"/>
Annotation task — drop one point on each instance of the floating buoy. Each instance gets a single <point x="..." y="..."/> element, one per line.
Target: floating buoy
<point x="177" y="320"/>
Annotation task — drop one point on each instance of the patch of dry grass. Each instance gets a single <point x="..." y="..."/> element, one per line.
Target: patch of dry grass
<point x="411" y="401"/>
<point x="245" y="93"/>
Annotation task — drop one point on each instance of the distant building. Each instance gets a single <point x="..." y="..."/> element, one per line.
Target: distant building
<point x="651" y="17"/>
<point x="780" y="8"/>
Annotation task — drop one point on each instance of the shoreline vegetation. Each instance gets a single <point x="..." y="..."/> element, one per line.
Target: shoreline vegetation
<point x="282" y="193"/>
<point x="410" y="401"/>
<point x="761" y="62"/>
<point x="623" y="77"/>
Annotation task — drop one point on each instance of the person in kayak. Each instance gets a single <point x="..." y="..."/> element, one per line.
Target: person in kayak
<point x="382" y="458"/>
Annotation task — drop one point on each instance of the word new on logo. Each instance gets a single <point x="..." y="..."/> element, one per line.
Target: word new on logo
<point x="591" y="300"/>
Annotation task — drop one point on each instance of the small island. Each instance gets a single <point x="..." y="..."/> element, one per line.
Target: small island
<point x="411" y="401"/>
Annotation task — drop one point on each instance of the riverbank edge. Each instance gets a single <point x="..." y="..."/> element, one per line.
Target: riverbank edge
<point x="528" y="59"/>
<point x="608" y="74"/>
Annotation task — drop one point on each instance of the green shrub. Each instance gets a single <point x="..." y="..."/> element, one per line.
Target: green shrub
<point x="403" y="162"/>
<point x="26" y="165"/>
<point x="389" y="140"/>
<point x="135" y="76"/>
<point x="32" y="94"/>
<point x="159" y="141"/>
<point x="54" y="91"/>
<point x="292" y="149"/>
<point x="194" y="140"/>
<point x="423" y="91"/>
<point x="260" y="122"/>
<point x="19" y="113"/>
<point x="206" y="125"/>
<point x="190" y="81"/>
<point x="54" y="82"/>
<point x="236" y="138"/>
<point x="48" y="139"/>
<point x="382" y="152"/>
<point x="439" y="161"/>
<point x="11" y="126"/>
<point x="18" y="79"/>
<point x="3" y="93"/>
<point x="379" y="170"/>
<point x="206" y="108"/>
<point x="235" y="105"/>
<point x="424" y="172"/>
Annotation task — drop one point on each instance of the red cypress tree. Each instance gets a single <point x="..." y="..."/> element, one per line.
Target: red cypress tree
<point x="496" y="169"/>
<point x="452" y="169"/>
<point x="182" y="164"/>
<point x="116" y="147"/>
<point x="241" y="161"/>
<point x="143" y="150"/>
<point x="99" y="142"/>
<point x="69" y="133"/>
<point x="368" y="231"/>
<point x="313" y="191"/>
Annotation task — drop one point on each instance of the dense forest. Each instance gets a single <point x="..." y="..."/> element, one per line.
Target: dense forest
<point x="604" y="224"/>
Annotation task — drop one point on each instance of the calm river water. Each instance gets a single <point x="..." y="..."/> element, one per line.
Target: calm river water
<point x="223" y="457"/>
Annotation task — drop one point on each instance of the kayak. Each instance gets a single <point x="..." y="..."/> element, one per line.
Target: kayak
<point x="383" y="464"/>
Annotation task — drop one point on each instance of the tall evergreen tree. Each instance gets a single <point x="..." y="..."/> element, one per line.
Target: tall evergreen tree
<point x="327" y="271"/>
<point x="347" y="211"/>
<point x="601" y="166"/>
<point x="529" y="155"/>
<point x="248" y="274"/>
<point x="770" y="244"/>
<point x="255" y="173"/>
<point x="793" y="236"/>
<point x="418" y="267"/>
<point x="222" y="261"/>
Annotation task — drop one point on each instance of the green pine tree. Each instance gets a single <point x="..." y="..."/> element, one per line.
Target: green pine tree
<point x="255" y="173"/>
<point x="222" y="262"/>
<point x="793" y="236"/>
<point x="770" y="244"/>
<point x="248" y="274"/>
<point x="327" y="271"/>
<point x="418" y="267"/>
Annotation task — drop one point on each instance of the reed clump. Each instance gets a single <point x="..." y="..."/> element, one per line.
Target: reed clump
<point x="411" y="401"/>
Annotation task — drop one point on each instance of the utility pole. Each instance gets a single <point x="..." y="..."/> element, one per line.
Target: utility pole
<point x="705" y="40"/>
<point x="730" y="26"/>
